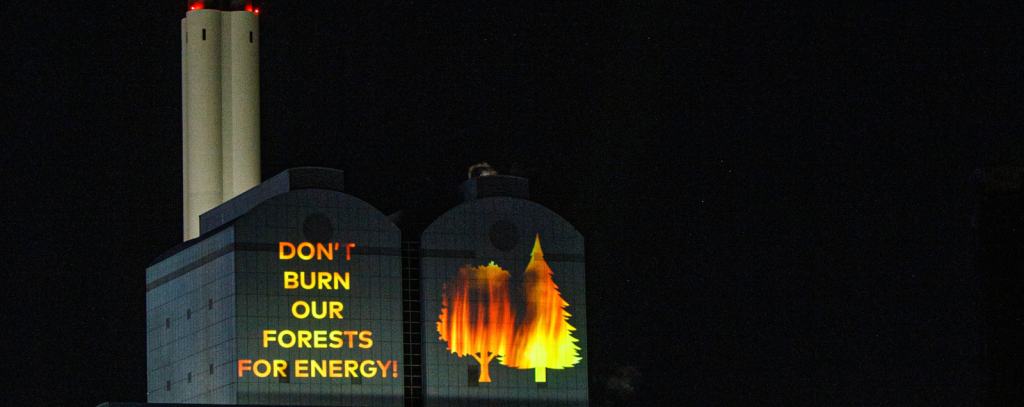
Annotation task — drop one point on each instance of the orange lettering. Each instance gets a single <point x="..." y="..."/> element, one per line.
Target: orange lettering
<point x="326" y="251"/>
<point x="281" y="248"/>
<point x="335" y="368"/>
<point x="280" y="367"/>
<point x="302" y="255"/>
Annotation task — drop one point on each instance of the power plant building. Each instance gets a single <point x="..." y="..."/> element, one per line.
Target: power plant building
<point x="292" y="292"/>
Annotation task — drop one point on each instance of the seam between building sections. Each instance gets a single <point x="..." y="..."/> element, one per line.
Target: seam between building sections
<point x="471" y="254"/>
<point x="189" y="267"/>
<point x="254" y="247"/>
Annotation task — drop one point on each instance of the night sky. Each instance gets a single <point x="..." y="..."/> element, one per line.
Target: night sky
<point x="776" y="201"/>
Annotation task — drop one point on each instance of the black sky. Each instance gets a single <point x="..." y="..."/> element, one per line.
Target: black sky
<point x="775" y="200"/>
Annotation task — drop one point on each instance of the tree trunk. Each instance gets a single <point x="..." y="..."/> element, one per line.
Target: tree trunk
<point x="485" y="361"/>
<point x="540" y="375"/>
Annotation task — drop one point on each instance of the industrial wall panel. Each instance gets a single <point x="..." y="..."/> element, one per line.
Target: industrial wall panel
<point x="318" y="278"/>
<point x="483" y="273"/>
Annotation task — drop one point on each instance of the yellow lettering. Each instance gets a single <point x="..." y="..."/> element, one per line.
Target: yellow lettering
<point x="314" y="367"/>
<point x="338" y="341"/>
<point x="323" y="309"/>
<point x="304" y="337"/>
<point x="368" y="372"/>
<point x="323" y="280"/>
<point x="300" y="368"/>
<point x="280" y="339"/>
<point x="336" y="308"/>
<point x="295" y="308"/>
<point x="256" y="368"/>
<point x="291" y="280"/>
<point x="268" y="337"/>
<point x="338" y="279"/>
<point x="350" y="368"/>
<point x="312" y="280"/>
<point x="319" y="339"/>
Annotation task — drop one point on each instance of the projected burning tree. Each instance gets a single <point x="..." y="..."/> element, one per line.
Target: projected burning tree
<point x="542" y="339"/>
<point x="476" y="318"/>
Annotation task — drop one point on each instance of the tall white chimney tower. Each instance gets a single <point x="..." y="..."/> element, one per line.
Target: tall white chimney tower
<point x="220" y="108"/>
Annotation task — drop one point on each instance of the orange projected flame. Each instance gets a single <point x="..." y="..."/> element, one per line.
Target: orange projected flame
<point x="543" y="338"/>
<point x="476" y="318"/>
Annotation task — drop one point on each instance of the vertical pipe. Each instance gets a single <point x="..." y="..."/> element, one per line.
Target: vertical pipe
<point x="184" y="130"/>
<point x="204" y="114"/>
<point x="226" y="120"/>
<point x="241" y="104"/>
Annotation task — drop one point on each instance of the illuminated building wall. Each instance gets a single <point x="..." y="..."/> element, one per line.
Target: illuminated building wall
<point x="503" y="302"/>
<point x="290" y="296"/>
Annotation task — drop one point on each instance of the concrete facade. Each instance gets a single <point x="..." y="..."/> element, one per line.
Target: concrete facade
<point x="220" y="109"/>
<point x="212" y="301"/>
<point x="498" y="224"/>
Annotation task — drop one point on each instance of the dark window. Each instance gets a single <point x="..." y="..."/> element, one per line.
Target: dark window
<point x="190" y="377"/>
<point x="168" y="322"/>
<point x="474" y="376"/>
<point x="204" y="34"/>
<point x="168" y="385"/>
<point x="211" y="368"/>
<point x="250" y="37"/>
<point x="211" y="304"/>
<point x="188" y="313"/>
<point x="186" y="37"/>
<point x="285" y="376"/>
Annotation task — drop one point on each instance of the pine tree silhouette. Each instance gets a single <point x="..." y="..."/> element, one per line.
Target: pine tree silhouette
<point x="476" y="318"/>
<point x="543" y="338"/>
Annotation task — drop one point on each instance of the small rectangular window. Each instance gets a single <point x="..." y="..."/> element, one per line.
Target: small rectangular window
<point x="188" y="313"/>
<point x="211" y="369"/>
<point x="204" y="34"/>
<point x="168" y="385"/>
<point x="168" y="322"/>
<point x="286" y="376"/>
<point x="250" y="37"/>
<point x="186" y="37"/>
<point x="190" y="377"/>
<point x="210" y="306"/>
<point x="474" y="376"/>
